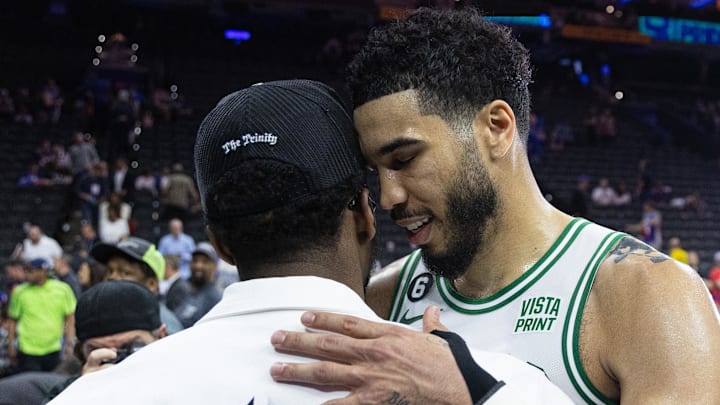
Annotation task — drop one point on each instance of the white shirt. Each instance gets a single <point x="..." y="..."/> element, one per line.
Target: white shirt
<point x="47" y="248"/>
<point x="113" y="231"/>
<point x="226" y="357"/>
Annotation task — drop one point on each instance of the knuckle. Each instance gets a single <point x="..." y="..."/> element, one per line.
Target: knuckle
<point x="327" y="343"/>
<point x="321" y="374"/>
<point x="349" y="324"/>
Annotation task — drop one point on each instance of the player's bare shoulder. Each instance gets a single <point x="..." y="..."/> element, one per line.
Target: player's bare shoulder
<point x="647" y="312"/>
<point x="381" y="289"/>
<point x="633" y="270"/>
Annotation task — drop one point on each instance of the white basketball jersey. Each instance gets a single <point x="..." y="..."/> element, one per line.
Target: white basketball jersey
<point x="536" y="318"/>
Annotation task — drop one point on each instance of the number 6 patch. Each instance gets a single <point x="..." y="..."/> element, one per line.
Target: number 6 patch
<point x="420" y="287"/>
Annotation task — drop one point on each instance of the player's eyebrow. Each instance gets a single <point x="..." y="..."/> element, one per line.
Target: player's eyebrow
<point x="396" y="144"/>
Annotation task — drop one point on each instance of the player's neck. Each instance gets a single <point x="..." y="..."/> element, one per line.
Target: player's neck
<point x="526" y="228"/>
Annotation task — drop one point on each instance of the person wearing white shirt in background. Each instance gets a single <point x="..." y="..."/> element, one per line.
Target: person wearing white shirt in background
<point x="38" y="245"/>
<point x="114" y="228"/>
<point x="603" y="195"/>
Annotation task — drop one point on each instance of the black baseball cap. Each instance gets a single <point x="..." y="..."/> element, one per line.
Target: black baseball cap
<point x="302" y="123"/>
<point x="135" y="249"/>
<point x="115" y="306"/>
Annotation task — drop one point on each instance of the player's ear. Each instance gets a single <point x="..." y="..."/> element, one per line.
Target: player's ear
<point x="496" y="126"/>
<point x="365" y="216"/>
<point x="221" y="249"/>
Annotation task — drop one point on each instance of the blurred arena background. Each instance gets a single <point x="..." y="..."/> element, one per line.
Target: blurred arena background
<point x="624" y="90"/>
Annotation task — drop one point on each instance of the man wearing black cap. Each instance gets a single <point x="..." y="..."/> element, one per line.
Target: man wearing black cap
<point x="114" y="319"/>
<point x="41" y="312"/>
<point x="204" y="295"/>
<point x="282" y="186"/>
<point x="138" y="260"/>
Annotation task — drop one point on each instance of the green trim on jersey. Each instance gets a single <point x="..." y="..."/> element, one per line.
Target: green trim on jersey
<point x="414" y="258"/>
<point x="530" y="277"/>
<point x="574" y="369"/>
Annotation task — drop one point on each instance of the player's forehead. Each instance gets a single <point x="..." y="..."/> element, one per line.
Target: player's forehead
<point x="392" y="120"/>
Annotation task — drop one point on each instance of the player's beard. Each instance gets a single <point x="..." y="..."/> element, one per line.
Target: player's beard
<point x="471" y="202"/>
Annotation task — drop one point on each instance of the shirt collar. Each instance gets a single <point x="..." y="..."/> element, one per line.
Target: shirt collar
<point x="288" y="293"/>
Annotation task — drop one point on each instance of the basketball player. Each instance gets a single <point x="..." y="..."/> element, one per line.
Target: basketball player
<point x="442" y="111"/>
<point x="282" y="186"/>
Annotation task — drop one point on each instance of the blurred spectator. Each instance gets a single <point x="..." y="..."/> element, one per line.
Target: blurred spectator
<point x="173" y="289"/>
<point x="676" y="251"/>
<point x="38" y="245"/>
<point x="90" y="272"/>
<point x="12" y="276"/>
<point x="650" y="228"/>
<point x="90" y="189"/>
<point x="64" y="272"/>
<point x="32" y="178"/>
<point x="114" y="228"/>
<point x="7" y="106"/>
<point x="162" y="180"/>
<point x="204" y="295"/>
<point x="51" y="102"/>
<point x="7" y="367"/>
<point x="122" y="120"/>
<point x="116" y="199"/>
<point x="86" y="240"/>
<point x="82" y="153"/>
<point x="714" y="277"/>
<point x="145" y="182"/>
<point x="180" y="197"/>
<point x="85" y="111"/>
<point x="694" y="260"/>
<point x="176" y="242"/>
<point x="580" y="197"/>
<point x="691" y="203"/>
<point x="623" y="197"/>
<point x="42" y="312"/>
<point x="226" y="274"/>
<point x="137" y="260"/>
<point x="44" y="154"/>
<point x="121" y="180"/>
<point x="603" y="195"/>
<point x="62" y="164"/>
<point x="116" y="52"/>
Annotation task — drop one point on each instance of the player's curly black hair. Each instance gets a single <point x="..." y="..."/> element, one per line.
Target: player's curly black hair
<point x="455" y="59"/>
<point x="286" y="228"/>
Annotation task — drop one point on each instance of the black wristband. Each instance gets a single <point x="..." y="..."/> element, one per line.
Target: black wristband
<point x="480" y="383"/>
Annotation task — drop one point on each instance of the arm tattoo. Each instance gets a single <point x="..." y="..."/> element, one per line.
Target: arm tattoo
<point x="631" y="246"/>
<point x="397" y="399"/>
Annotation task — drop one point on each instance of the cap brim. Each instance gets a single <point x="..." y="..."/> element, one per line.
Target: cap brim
<point x="102" y="252"/>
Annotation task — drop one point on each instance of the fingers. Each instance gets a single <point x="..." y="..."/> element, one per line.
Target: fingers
<point x="98" y="356"/>
<point x="317" y="373"/>
<point x="319" y="345"/>
<point x="431" y="320"/>
<point x="348" y="325"/>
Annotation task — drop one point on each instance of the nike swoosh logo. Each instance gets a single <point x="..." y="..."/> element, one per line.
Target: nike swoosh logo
<point x="407" y="321"/>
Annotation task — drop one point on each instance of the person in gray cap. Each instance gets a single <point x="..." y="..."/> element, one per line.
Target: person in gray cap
<point x="204" y="295"/>
<point x="282" y="184"/>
